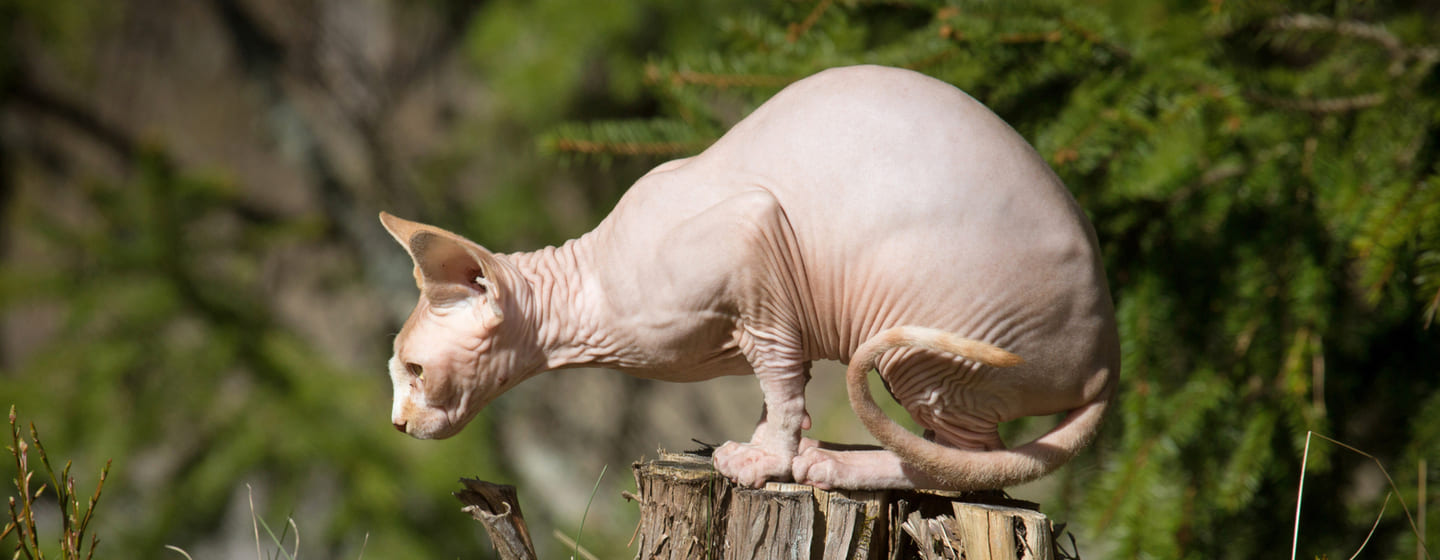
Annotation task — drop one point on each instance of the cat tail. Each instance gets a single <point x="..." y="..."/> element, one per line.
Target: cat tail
<point x="964" y="469"/>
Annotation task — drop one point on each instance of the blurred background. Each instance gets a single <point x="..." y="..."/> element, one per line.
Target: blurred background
<point x="194" y="283"/>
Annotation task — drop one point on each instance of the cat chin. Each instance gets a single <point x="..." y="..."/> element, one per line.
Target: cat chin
<point x="443" y="433"/>
<point x="437" y="423"/>
<point x="441" y="429"/>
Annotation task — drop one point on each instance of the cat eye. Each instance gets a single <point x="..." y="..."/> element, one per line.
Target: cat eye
<point x="416" y="370"/>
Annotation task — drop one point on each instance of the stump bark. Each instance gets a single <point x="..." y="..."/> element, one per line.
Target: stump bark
<point x="497" y="507"/>
<point x="687" y="510"/>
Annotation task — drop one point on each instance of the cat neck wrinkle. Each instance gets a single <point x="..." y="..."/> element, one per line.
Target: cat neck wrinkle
<point x="565" y="320"/>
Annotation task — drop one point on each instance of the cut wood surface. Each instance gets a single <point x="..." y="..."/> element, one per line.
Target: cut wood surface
<point x="687" y="510"/>
<point x="682" y="508"/>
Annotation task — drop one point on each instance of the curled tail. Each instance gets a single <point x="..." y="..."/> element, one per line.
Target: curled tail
<point x="964" y="469"/>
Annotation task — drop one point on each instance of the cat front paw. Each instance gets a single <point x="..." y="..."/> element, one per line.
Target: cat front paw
<point x="752" y="465"/>
<point x="816" y="467"/>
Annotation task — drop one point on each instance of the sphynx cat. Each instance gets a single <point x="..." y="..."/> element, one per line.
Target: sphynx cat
<point x="868" y="215"/>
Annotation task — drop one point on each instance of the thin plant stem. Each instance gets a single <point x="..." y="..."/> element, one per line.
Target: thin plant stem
<point x="1373" y="527"/>
<point x="1295" y="539"/>
<point x="567" y="541"/>
<point x="581" y="530"/>
<point x="255" y="521"/>
<point x="1300" y="495"/>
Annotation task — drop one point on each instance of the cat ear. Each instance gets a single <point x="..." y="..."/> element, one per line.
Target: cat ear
<point x="402" y="230"/>
<point x="449" y="267"/>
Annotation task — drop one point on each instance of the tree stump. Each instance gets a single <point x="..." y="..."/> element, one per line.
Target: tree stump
<point x="497" y="507"/>
<point x="687" y="510"/>
<point x="682" y="508"/>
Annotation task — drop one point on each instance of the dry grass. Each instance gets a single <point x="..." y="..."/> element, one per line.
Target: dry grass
<point x="1394" y="490"/>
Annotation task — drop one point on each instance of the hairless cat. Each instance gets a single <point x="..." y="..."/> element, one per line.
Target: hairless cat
<point x="868" y="215"/>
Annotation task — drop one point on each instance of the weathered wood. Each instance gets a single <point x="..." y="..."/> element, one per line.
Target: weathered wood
<point x="847" y="523"/>
<point x="934" y="539"/>
<point x="682" y="504"/>
<point x="497" y="507"/>
<point x="982" y="532"/>
<point x="1004" y="533"/>
<point x="687" y="510"/>
<point x="853" y="527"/>
<point x="769" y="524"/>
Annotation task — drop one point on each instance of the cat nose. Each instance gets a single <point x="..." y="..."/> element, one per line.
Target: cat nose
<point x="400" y="425"/>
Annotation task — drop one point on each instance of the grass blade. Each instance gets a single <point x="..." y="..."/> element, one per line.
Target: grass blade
<point x="278" y="544"/>
<point x="581" y="530"/>
<point x="254" y="520"/>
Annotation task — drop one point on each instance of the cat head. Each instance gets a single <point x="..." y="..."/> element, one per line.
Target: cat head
<point x="466" y="342"/>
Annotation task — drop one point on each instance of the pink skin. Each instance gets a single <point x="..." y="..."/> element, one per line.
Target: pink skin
<point x="855" y="201"/>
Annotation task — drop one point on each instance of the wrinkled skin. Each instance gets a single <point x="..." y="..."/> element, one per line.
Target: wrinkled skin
<point x="456" y="352"/>
<point x="855" y="201"/>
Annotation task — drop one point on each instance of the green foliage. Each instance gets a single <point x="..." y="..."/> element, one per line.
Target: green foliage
<point x="231" y="392"/>
<point x="548" y="54"/>
<point x="74" y="520"/>
<point x="542" y="40"/>
<point x="1261" y="176"/>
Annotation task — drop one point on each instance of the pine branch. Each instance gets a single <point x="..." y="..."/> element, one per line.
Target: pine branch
<point x="593" y="147"/>
<point x="1095" y="39"/>
<point x="1055" y="34"/>
<point x="797" y="29"/>
<point x="1018" y="38"/>
<point x="658" y="138"/>
<point x="1322" y="105"/>
<point x="1394" y="47"/>
<point x="680" y="78"/>
<point x="1355" y="29"/>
